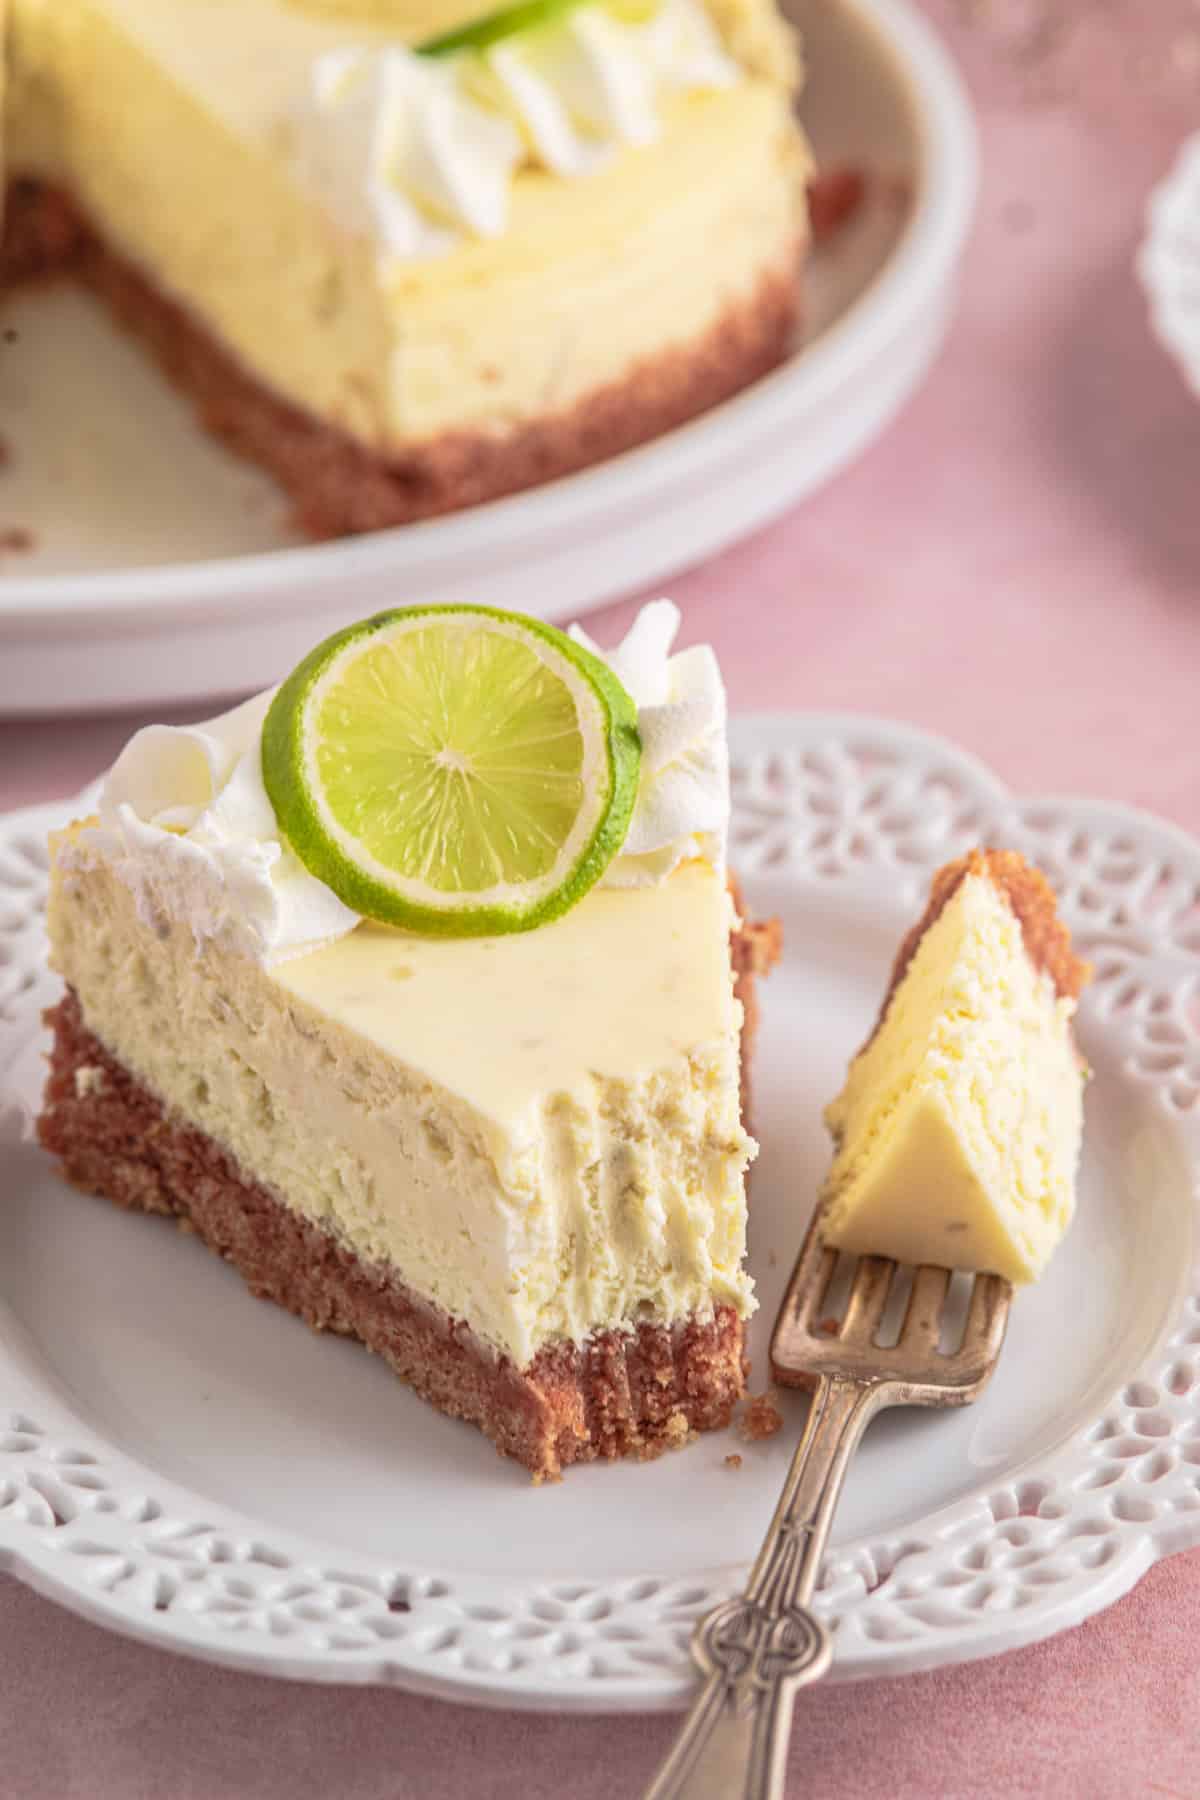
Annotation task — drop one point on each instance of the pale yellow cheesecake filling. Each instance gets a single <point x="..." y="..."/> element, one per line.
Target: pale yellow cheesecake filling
<point x="538" y="1133"/>
<point x="148" y="109"/>
<point x="958" y="1129"/>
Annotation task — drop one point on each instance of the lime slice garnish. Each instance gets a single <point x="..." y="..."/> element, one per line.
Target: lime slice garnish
<point x="453" y="769"/>
<point x="505" y="22"/>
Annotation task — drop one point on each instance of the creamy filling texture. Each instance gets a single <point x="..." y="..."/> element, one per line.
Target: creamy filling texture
<point x="539" y="1134"/>
<point x="145" y="108"/>
<point x="958" y="1130"/>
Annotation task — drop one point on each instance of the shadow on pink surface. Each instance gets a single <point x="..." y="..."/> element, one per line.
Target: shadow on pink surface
<point x="1128" y="431"/>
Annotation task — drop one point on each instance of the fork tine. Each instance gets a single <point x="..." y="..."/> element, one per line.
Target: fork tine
<point x="810" y="1283"/>
<point x="824" y="1279"/>
<point x="923" y="1318"/>
<point x="987" y="1315"/>
<point x="922" y="1327"/>
<point x="868" y="1295"/>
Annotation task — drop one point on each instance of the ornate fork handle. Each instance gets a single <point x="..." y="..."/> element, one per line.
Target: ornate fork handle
<point x="757" y="1649"/>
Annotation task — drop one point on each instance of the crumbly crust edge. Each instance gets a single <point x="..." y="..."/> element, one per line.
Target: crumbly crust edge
<point x="339" y="486"/>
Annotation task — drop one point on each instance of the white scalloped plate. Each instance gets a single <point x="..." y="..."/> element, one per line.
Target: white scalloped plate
<point x="200" y="1472"/>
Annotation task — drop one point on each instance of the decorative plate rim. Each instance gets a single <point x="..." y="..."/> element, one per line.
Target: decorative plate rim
<point x="842" y="800"/>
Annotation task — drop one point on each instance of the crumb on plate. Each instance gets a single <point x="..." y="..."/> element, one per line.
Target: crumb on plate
<point x="834" y="196"/>
<point x="760" y="1419"/>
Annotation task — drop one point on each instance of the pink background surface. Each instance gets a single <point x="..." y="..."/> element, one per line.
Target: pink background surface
<point x="1017" y="565"/>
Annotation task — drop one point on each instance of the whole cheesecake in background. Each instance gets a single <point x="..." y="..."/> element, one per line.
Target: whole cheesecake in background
<point x="408" y="283"/>
<point x="958" y="1130"/>
<point x="512" y="1165"/>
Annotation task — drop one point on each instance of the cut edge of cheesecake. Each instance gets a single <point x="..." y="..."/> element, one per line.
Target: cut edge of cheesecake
<point x="957" y="1133"/>
<point x="634" y="1392"/>
<point x="1046" y="937"/>
<point x="338" y="485"/>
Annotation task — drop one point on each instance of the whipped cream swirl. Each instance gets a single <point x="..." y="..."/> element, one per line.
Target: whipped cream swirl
<point x="682" y="809"/>
<point x="419" y="151"/>
<point x="402" y="154"/>
<point x="186" y="821"/>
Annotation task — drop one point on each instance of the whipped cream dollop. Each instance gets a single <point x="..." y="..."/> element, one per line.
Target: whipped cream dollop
<point x="402" y="154"/>
<point x="186" y="821"/>
<point x="682" y="809"/>
<point x="421" y="151"/>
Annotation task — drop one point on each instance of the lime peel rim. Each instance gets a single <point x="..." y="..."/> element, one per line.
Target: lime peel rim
<point x="494" y="27"/>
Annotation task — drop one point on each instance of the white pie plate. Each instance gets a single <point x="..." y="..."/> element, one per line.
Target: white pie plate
<point x="200" y="1472"/>
<point x="161" y="571"/>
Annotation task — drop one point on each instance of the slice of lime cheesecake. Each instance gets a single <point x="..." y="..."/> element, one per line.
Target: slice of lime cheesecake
<point x="958" y="1130"/>
<point x="511" y="1163"/>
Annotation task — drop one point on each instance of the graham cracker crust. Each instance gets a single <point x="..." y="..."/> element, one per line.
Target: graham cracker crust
<point x="338" y="485"/>
<point x="620" y="1394"/>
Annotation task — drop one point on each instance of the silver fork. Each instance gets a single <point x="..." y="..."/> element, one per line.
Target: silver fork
<point x="755" y="1650"/>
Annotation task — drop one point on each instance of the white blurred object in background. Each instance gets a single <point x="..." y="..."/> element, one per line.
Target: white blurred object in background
<point x="1169" y="261"/>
